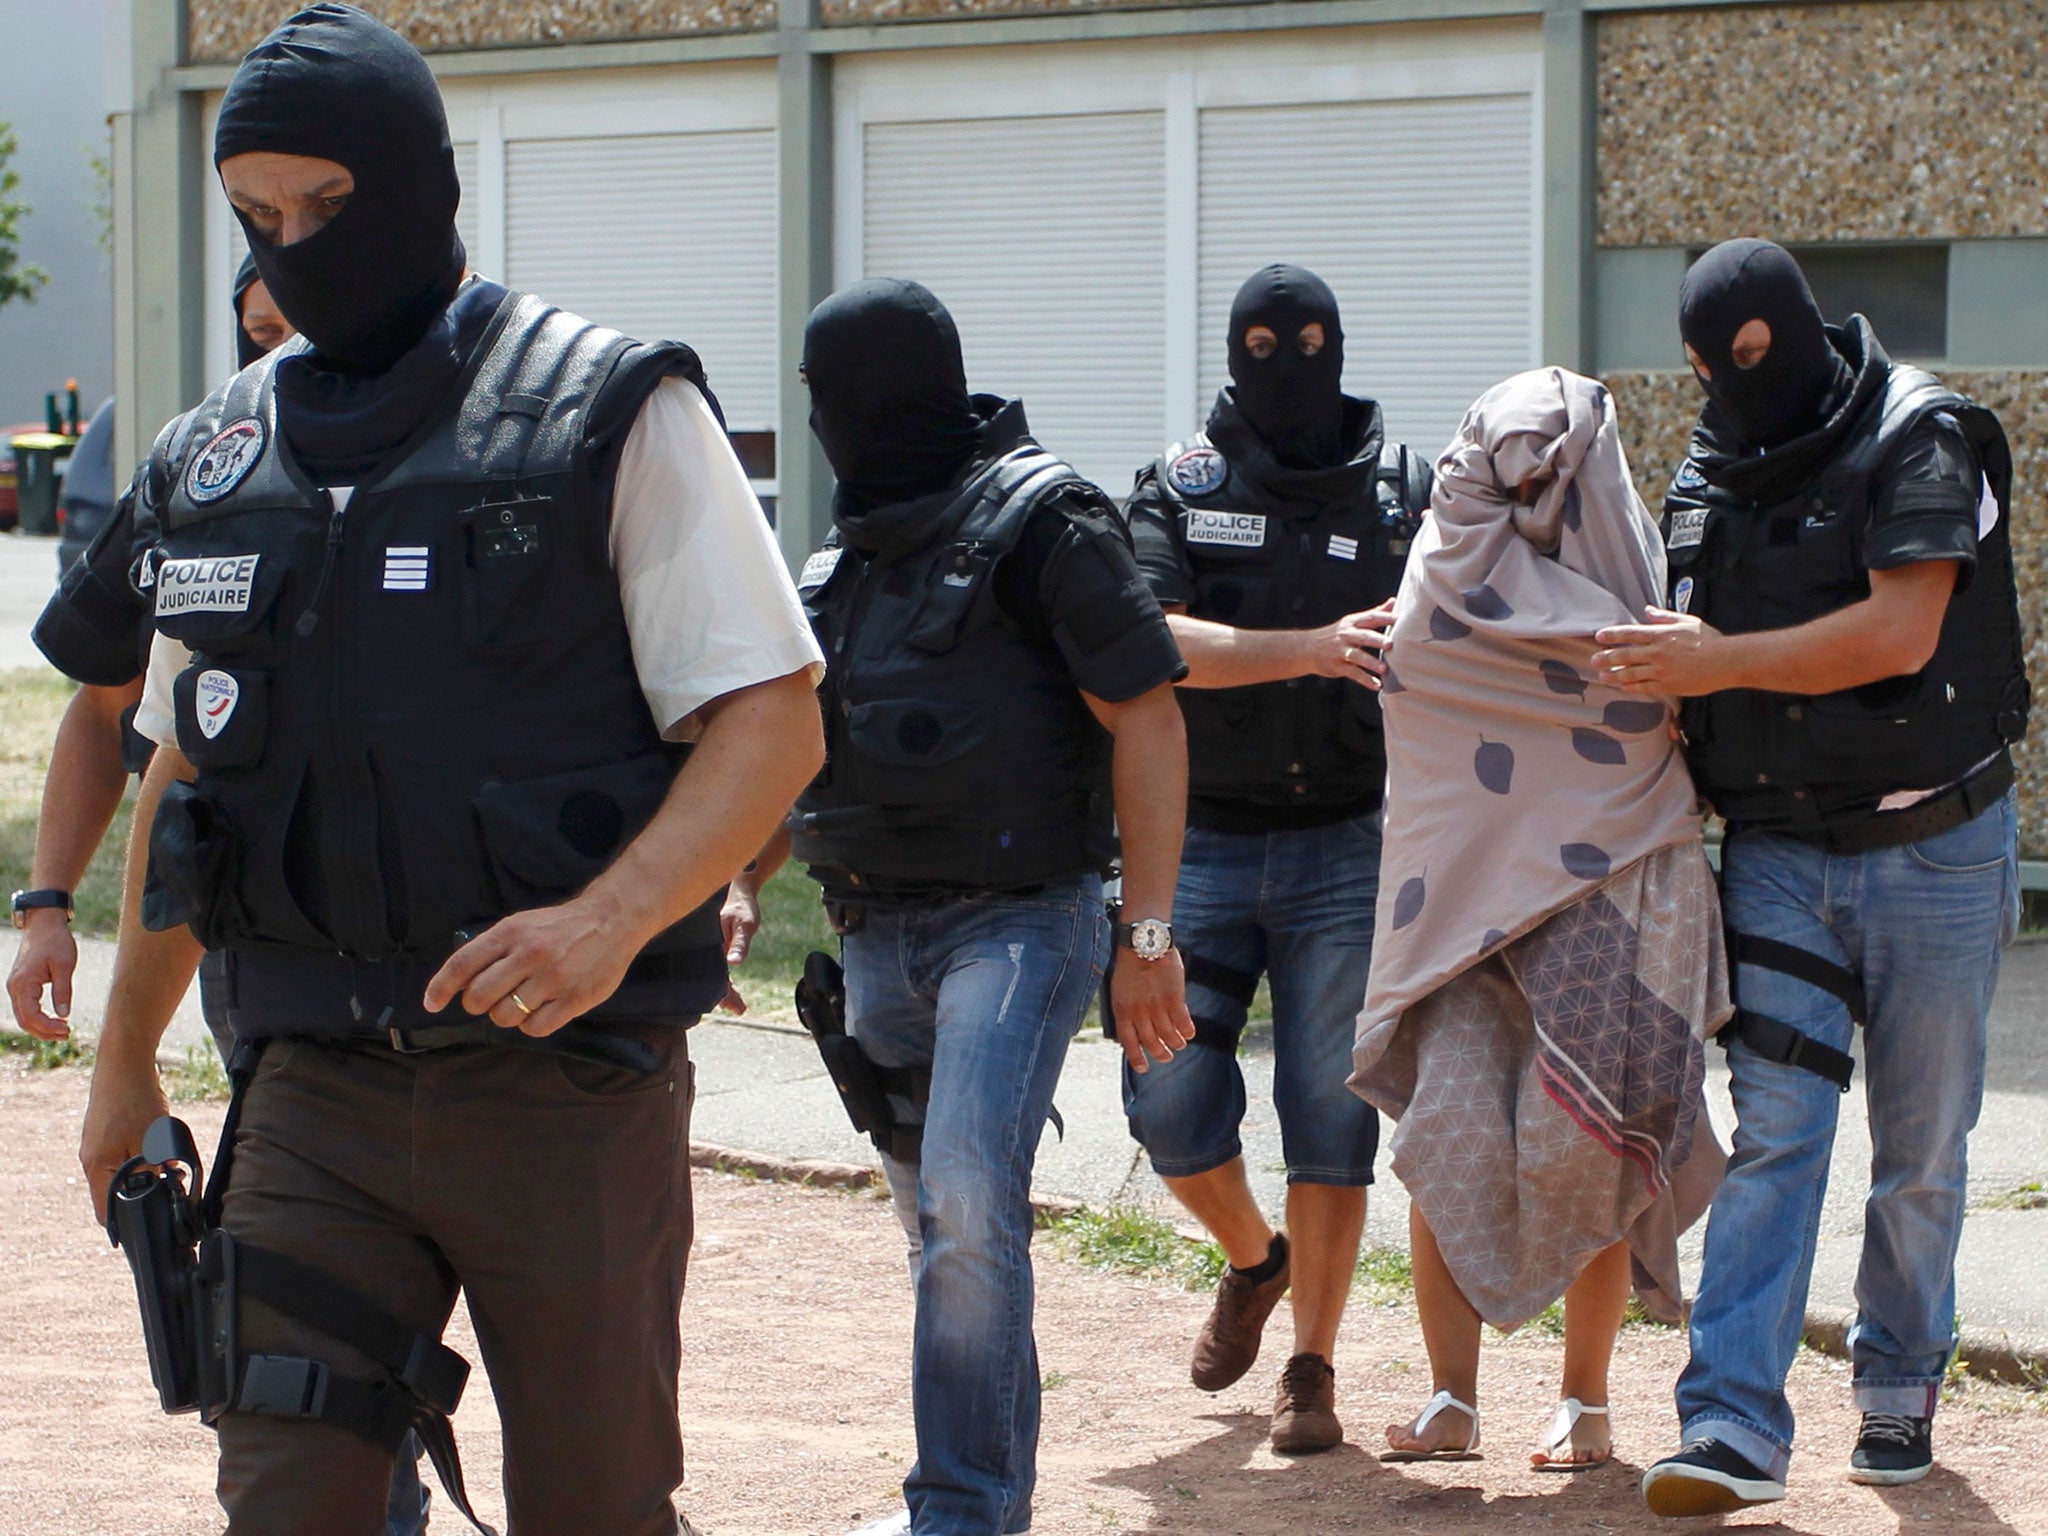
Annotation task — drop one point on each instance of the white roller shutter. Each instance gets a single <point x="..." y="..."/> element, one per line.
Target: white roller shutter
<point x="1421" y="215"/>
<point x="662" y="236"/>
<point x="465" y="216"/>
<point x="1045" y="238"/>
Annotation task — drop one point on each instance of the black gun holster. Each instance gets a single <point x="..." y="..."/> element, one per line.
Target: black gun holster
<point x="864" y="1087"/>
<point x="190" y="1278"/>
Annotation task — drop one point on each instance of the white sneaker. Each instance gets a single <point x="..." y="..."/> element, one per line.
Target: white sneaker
<point x="897" y="1524"/>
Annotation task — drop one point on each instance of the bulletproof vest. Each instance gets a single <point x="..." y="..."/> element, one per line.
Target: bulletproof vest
<point x="1789" y="760"/>
<point x="413" y="709"/>
<point x="959" y="753"/>
<point x="1262" y="560"/>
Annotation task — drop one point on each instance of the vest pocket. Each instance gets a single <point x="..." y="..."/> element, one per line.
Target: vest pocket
<point x="506" y="565"/>
<point x="223" y="715"/>
<point x="1890" y="718"/>
<point x="907" y="751"/>
<point x="191" y="874"/>
<point x="949" y="596"/>
<point x="545" y="839"/>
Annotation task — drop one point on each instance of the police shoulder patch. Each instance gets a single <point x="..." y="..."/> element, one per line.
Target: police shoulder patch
<point x="226" y="460"/>
<point x="214" y="696"/>
<point x="1689" y="477"/>
<point x="1197" y="471"/>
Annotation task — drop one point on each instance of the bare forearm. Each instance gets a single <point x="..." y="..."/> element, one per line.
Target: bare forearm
<point x="763" y="866"/>
<point x="1848" y="648"/>
<point x="1149" y="775"/>
<point x="151" y="970"/>
<point x="83" y="787"/>
<point x="760" y="747"/>
<point x="1222" y="656"/>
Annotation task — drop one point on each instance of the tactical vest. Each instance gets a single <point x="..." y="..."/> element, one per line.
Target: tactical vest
<point x="959" y="753"/>
<point x="1261" y="562"/>
<point x="1787" y="760"/>
<point x="417" y="712"/>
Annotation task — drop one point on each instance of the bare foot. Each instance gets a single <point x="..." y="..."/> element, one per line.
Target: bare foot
<point x="1588" y="1443"/>
<point x="1450" y="1430"/>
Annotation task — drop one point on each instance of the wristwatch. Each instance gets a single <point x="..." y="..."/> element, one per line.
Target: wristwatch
<point x="26" y="902"/>
<point x="1148" y="938"/>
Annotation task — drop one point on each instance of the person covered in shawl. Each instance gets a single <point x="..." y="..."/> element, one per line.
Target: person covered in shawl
<point x="1549" y="954"/>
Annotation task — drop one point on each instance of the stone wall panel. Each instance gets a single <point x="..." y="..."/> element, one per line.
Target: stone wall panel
<point x="1909" y="119"/>
<point x="863" y="13"/>
<point x="1657" y="413"/>
<point x="221" y="31"/>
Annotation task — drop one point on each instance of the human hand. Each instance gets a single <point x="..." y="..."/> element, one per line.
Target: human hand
<point x="1350" y="647"/>
<point x="1670" y="655"/>
<point x="1149" y="1001"/>
<point x="47" y="957"/>
<point x="538" y="970"/>
<point x="127" y="1098"/>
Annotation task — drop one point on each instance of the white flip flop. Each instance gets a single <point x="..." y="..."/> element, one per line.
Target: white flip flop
<point x="1469" y="1451"/>
<point x="1569" y="1411"/>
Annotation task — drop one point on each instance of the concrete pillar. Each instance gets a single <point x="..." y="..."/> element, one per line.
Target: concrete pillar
<point x="159" y="308"/>
<point x="1570" y="104"/>
<point x="804" y="158"/>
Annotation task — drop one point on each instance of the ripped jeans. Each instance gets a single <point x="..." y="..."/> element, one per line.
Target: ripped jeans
<point x="987" y="992"/>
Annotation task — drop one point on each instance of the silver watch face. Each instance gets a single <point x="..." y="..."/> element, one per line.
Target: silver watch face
<point x="1151" y="939"/>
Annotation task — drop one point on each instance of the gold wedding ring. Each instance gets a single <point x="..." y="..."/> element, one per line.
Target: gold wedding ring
<point x="520" y="1003"/>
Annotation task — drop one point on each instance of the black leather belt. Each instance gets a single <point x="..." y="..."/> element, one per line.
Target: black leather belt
<point x="575" y="1040"/>
<point x="1952" y="807"/>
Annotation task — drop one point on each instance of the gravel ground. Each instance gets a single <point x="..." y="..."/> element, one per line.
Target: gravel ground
<point x="796" y="1402"/>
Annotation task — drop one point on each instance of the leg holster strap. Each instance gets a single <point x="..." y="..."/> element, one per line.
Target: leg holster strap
<point x="864" y="1087"/>
<point x="1782" y="1043"/>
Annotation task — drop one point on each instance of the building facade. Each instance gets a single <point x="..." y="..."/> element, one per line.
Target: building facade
<point x="1488" y="184"/>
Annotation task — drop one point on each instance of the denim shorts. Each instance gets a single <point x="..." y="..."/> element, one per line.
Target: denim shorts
<point x="1296" y="907"/>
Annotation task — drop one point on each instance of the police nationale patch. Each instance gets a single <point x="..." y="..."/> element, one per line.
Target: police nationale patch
<point x="214" y="697"/>
<point x="1245" y="530"/>
<point x="205" y="584"/>
<point x="225" y="461"/>
<point x="1681" y="596"/>
<point x="1197" y="472"/>
<point x="1688" y="527"/>
<point x="1689" y="477"/>
<point x="822" y="563"/>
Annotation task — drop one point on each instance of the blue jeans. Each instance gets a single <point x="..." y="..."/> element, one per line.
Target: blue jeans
<point x="987" y="992"/>
<point x="1923" y="925"/>
<point x="1297" y="906"/>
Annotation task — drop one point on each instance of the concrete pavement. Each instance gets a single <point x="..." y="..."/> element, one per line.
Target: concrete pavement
<point x="28" y="574"/>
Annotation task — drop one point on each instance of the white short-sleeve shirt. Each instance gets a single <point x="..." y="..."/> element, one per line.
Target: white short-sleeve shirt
<point x="709" y="604"/>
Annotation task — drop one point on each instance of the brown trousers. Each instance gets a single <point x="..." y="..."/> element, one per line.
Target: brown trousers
<point x="555" y="1195"/>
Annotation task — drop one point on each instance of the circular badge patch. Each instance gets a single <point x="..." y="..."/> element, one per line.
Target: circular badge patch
<point x="225" y="461"/>
<point x="1197" y="472"/>
<point x="1689" y="477"/>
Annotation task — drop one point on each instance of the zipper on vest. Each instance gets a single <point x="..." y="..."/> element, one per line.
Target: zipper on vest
<point x="311" y="617"/>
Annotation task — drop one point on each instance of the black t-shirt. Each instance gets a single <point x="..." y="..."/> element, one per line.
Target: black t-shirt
<point x="1925" y="504"/>
<point x="1073" y="583"/>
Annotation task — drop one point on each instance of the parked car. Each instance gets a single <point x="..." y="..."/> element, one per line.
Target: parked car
<point x="89" y="488"/>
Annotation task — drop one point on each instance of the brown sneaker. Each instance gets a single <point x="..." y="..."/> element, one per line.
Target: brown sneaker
<point x="1305" y="1411"/>
<point x="1229" y="1341"/>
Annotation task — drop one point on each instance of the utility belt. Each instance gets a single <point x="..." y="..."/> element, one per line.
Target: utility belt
<point x="191" y="1276"/>
<point x="274" y="991"/>
<point x="1963" y="801"/>
<point x="1778" y="1041"/>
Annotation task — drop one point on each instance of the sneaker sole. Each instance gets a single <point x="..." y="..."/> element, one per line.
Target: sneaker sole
<point x="1680" y="1492"/>
<point x="1878" y="1477"/>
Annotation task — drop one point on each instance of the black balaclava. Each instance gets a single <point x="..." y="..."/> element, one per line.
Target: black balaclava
<point x="246" y="349"/>
<point x="1294" y="402"/>
<point x="337" y="84"/>
<point x="889" y="399"/>
<point x="1785" y="395"/>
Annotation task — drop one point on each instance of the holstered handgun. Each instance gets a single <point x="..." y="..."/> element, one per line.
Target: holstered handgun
<point x="184" y="1274"/>
<point x="863" y="1086"/>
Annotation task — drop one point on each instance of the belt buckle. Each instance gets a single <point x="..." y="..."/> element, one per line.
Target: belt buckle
<point x="401" y="1042"/>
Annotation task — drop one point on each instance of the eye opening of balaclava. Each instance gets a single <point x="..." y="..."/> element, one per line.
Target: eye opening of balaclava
<point x="1783" y="395"/>
<point x="889" y="401"/>
<point x="334" y="83"/>
<point x="1293" y="400"/>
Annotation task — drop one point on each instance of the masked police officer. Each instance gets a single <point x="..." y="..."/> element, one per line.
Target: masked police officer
<point x="1843" y="629"/>
<point x="442" y="590"/>
<point x="1000" y="682"/>
<point x="1273" y="539"/>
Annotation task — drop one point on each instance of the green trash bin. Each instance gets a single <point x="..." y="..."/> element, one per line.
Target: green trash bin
<point x="39" y="461"/>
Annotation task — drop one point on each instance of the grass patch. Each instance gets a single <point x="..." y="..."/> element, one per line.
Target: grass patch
<point x="2030" y="1196"/>
<point x="1131" y="1240"/>
<point x="31" y="705"/>
<point x="792" y="925"/>
<point x="1385" y="1276"/>
<point x="198" y="1078"/>
<point x="44" y="1055"/>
